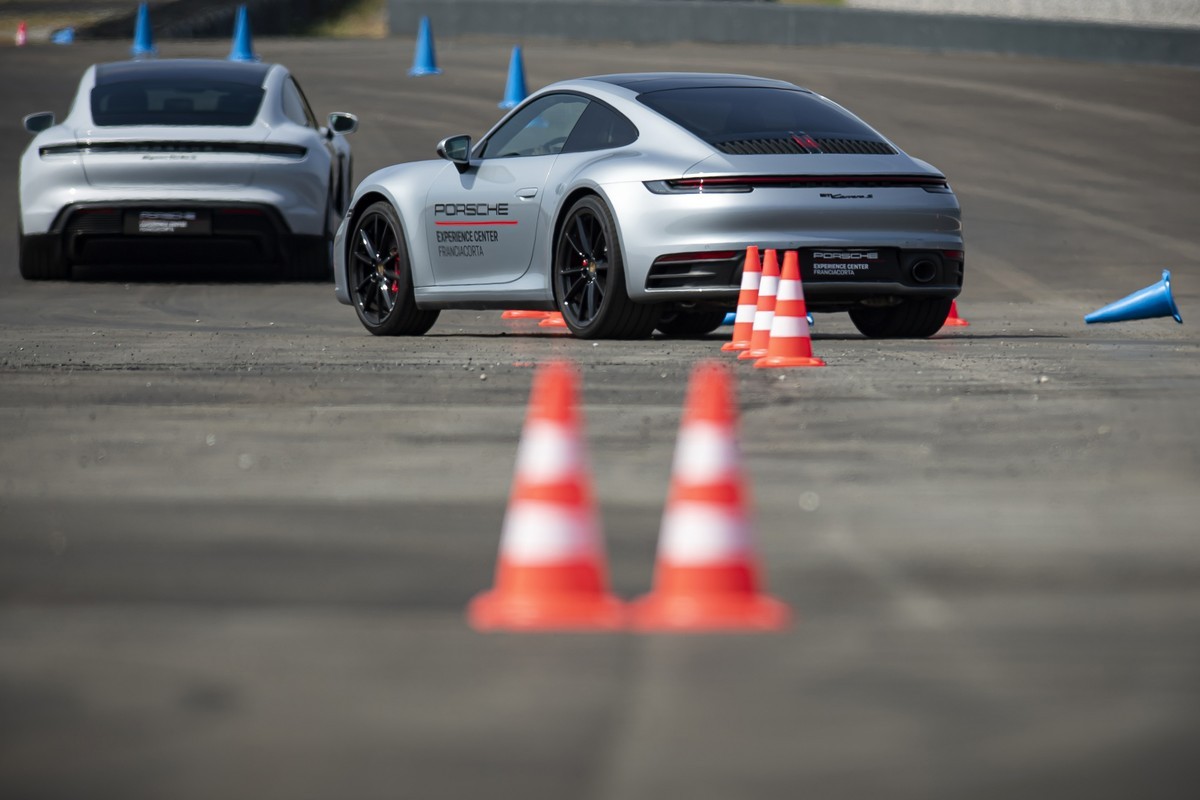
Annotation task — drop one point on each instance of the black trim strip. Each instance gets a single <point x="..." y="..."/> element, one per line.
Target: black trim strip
<point x="248" y="148"/>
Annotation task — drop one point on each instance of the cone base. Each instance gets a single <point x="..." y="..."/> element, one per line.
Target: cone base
<point x="500" y="611"/>
<point x="683" y="613"/>
<point x="730" y="347"/>
<point x="552" y="322"/>
<point x="756" y="353"/>
<point x="417" y="72"/>
<point x="956" y="322"/>
<point x="523" y="314"/>
<point x="788" y="361"/>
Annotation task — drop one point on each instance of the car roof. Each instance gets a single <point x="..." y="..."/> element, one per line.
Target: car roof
<point x="643" y="82"/>
<point x="183" y="69"/>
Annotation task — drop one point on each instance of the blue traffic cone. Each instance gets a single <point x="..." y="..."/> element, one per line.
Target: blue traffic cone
<point x="143" y="41"/>
<point x="242" y="50"/>
<point x="63" y="36"/>
<point x="730" y="318"/>
<point x="1153" y="301"/>
<point x="514" y="89"/>
<point x="424" y="59"/>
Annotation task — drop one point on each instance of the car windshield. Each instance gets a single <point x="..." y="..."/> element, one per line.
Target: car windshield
<point x="722" y="114"/>
<point x="160" y="102"/>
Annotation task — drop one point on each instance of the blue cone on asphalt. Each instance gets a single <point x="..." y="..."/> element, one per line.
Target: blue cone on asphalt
<point x="143" y="39"/>
<point x="63" y="36"/>
<point x="731" y="318"/>
<point x="514" y="89"/>
<point x="1153" y="301"/>
<point x="243" y="49"/>
<point x="424" y="59"/>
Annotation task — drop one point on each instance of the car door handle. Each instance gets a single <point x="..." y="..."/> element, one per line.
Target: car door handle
<point x="527" y="194"/>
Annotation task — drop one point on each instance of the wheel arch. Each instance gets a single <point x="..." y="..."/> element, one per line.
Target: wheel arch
<point x="569" y="200"/>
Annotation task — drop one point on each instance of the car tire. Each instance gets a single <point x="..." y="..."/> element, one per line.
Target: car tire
<point x="912" y="319"/>
<point x="683" y="322"/>
<point x="40" y="259"/>
<point x="589" y="277"/>
<point x="380" y="276"/>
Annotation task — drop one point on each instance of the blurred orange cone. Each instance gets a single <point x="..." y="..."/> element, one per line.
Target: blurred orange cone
<point x="764" y="315"/>
<point x="953" y="320"/>
<point x="743" y="324"/>
<point x="22" y="34"/>
<point x="706" y="577"/>
<point x="553" y="320"/>
<point x="550" y="574"/>
<point x="526" y="314"/>
<point x="791" y="342"/>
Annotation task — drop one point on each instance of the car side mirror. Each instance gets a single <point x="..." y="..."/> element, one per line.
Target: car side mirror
<point x="343" y="124"/>
<point x="456" y="149"/>
<point x="36" y="123"/>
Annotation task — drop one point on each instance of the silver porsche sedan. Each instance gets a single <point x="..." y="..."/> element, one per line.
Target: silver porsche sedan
<point x="183" y="161"/>
<point x="627" y="202"/>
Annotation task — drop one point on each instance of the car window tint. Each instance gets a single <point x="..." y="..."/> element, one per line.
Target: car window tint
<point x="600" y="128"/>
<point x="293" y="103"/>
<point x="541" y="128"/>
<point x="717" y="114"/>
<point x="175" y="103"/>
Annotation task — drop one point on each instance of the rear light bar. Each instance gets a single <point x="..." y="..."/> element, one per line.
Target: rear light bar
<point x="742" y="184"/>
<point x="248" y="148"/>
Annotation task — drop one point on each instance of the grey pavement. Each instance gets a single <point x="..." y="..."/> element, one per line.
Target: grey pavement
<point x="238" y="534"/>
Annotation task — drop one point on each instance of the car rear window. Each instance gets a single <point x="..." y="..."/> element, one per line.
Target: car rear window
<point x="726" y="117"/>
<point x="175" y="103"/>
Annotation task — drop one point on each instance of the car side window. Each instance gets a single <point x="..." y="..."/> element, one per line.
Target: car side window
<point x="541" y="128"/>
<point x="308" y="112"/>
<point x="600" y="128"/>
<point x="294" y="105"/>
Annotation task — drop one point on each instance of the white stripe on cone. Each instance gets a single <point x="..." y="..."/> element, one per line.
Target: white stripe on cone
<point x="701" y="534"/>
<point x="704" y="453"/>
<point x="539" y="533"/>
<point x="790" y="290"/>
<point x="745" y="313"/>
<point x="548" y="450"/>
<point x="789" y="327"/>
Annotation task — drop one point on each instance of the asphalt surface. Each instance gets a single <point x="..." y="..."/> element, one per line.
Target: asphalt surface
<point x="238" y="534"/>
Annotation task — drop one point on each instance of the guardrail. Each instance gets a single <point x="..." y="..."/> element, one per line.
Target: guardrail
<point x="651" y="21"/>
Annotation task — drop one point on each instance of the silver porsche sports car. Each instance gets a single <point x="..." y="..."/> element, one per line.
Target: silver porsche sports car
<point x="627" y="202"/>
<point x="183" y="161"/>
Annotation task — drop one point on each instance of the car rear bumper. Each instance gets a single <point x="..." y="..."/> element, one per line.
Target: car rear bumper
<point x="232" y="233"/>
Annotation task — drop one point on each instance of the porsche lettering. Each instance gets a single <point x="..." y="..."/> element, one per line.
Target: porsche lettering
<point x="470" y="209"/>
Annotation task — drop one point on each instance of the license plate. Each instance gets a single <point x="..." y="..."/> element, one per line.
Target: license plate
<point x="849" y="264"/>
<point x="169" y="223"/>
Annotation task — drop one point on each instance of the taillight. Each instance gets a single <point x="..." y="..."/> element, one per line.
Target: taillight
<point x="748" y="183"/>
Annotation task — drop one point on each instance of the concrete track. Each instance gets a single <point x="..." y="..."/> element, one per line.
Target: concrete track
<point x="237" y="533"/>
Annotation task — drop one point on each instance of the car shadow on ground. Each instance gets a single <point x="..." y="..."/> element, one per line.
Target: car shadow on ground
<point x="187" y="273"/>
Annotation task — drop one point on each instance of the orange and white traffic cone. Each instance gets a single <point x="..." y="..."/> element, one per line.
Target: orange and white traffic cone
<point x="791" y="341"/>
<point x="953" y="320"/>
<point x="553" y="320"/>
<point x="22" y="34"/>
<point x="522" y="313"/>
<point x="743" y="323"/>
<point x="764" y="314"/>
<point x="551" y="572"/>
<point x="706" y="577"/>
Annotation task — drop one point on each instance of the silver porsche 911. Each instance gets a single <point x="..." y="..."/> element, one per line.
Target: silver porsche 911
<point x="183" y="161"/>
<point x="627" y="202"/>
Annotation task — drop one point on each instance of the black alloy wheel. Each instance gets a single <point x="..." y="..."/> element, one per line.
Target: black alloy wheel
<point x="589" y="277"/>
<point x="380" y="277"/>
